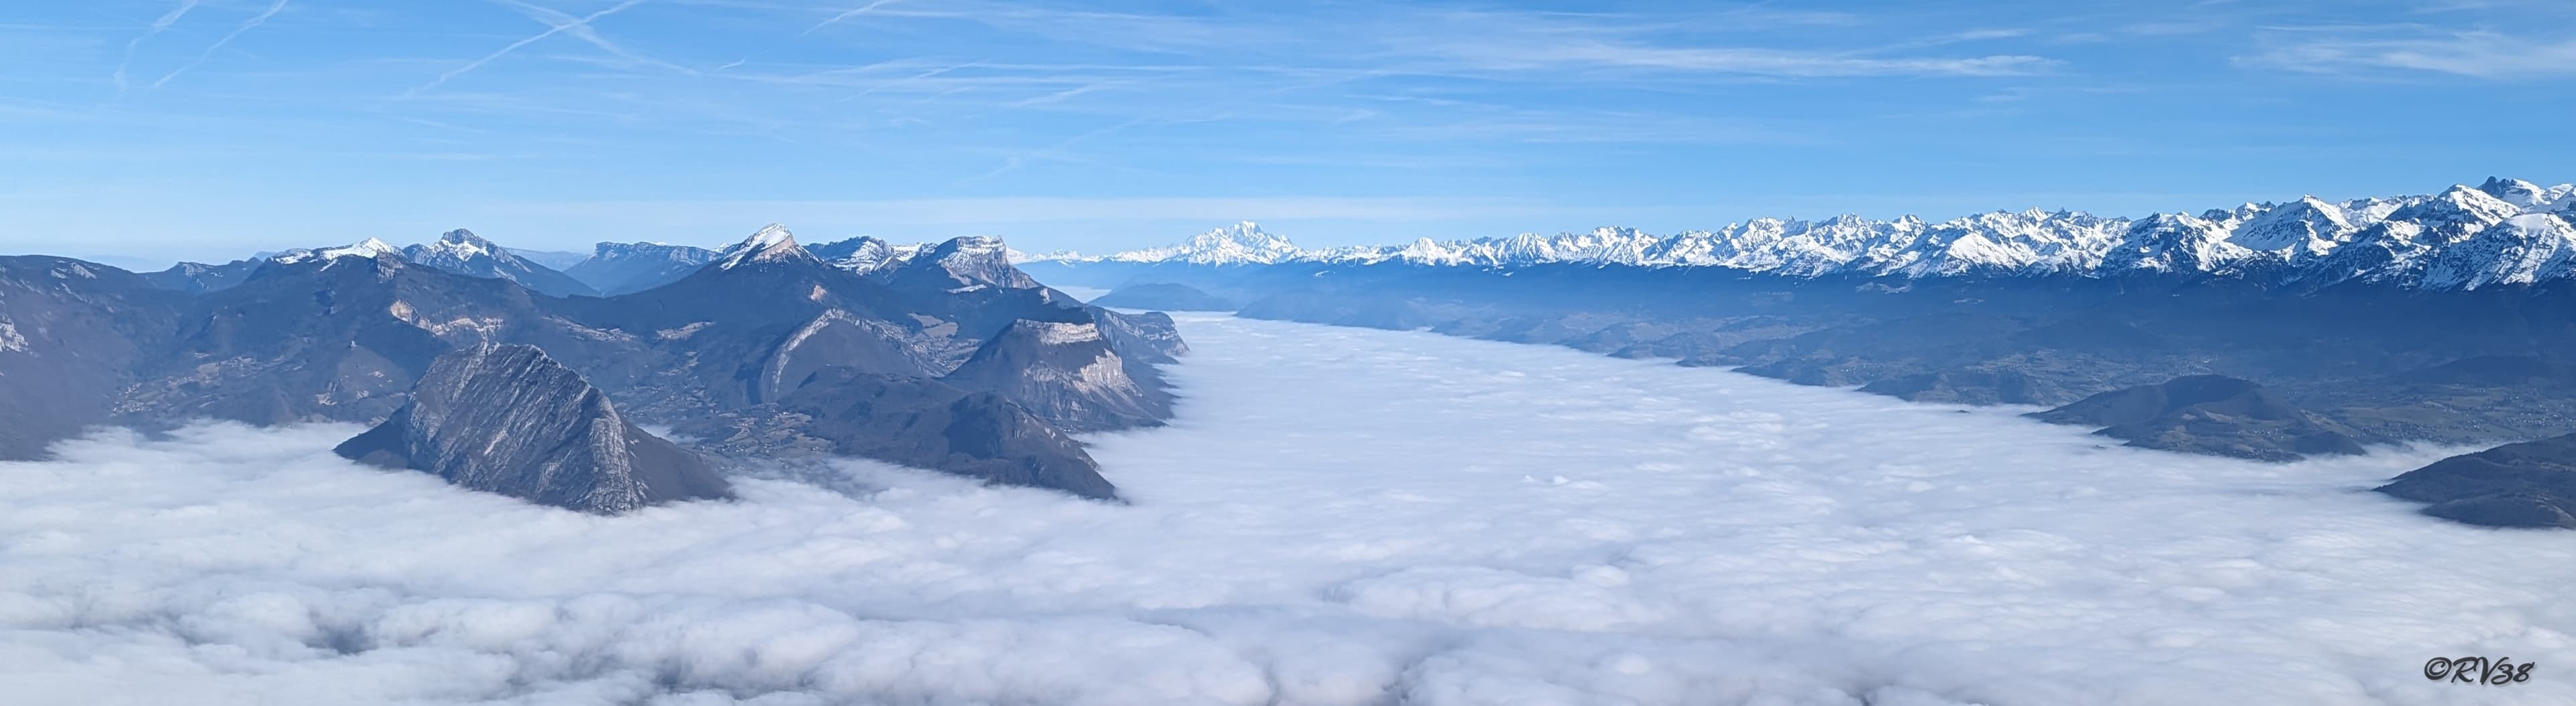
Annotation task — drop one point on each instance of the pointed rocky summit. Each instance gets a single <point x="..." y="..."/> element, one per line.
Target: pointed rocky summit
<point x="771" y="244"/>
<point x="507" y="419"/>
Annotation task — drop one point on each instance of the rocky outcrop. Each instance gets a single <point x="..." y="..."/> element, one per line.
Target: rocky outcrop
<point x="1163" y="296"/>
<point x="507" y="419"/>
<point x="2529" y="484"/>
<point x="916" y="422"/>
<point x="1068" y="374"/>
<point x="1148" y="337"/>
<point x="2209" y="414"/>
<point x="963" y="263"/>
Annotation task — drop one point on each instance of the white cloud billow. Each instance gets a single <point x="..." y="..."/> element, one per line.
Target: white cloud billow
<point x="1340" y="516"/>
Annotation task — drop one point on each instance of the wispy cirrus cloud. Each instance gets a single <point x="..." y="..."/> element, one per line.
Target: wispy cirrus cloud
<point x="2478" y="54"/>
<point x="1747" y="61"/>
<point x="1531" y="42"/>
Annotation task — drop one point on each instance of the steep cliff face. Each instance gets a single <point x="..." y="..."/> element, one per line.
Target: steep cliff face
<point x="1148" y="337"/>
<point x="963" y="263"/>
<point x="507" y="419"/>
<point x="1068" y="374"/>
<point x="915" y="422"/>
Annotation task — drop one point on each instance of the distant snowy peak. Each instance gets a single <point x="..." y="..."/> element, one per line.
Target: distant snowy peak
<point x="1239" y="244"/>
<point x="973" y="260"/>
<point x="771" y="244"/>
<point x="863" y="254"/>
<point x="962" y="262"/>
<point x="2501" y="232"/>
<point x="658" y="251"/>
<point x="457" y="245"/>
<point x="2530" y="197"/>
<point x="369" y="248"/>
<point x="462" y="252"/>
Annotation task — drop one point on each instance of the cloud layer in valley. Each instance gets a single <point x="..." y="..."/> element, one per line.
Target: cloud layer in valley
<point x="1339" y="516"/>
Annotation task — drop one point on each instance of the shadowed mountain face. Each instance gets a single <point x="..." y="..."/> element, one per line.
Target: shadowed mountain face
<point x="2209" y="414"/>
<point x="1165" y="296"/>
<point x="199" y="278"/>
<point x="625" y="268"/>
<point x="509" y="420"/>
<point x="2530" y="484"/>
<point x="916" y="422"/>
<point x="345" y="334"/>
<point x="1068" y="374"/>
<point x="71" y="334"/>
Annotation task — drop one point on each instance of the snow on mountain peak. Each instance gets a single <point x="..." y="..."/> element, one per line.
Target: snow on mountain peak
<point x="2456" y="213"/>
<point x="975" y="260"/>
<point x="2504" y="231"/>
<point x="863" y="254"/>
<point x="770" y="243"/>
<point x="369" y="248"/>
<point x="2521" y="194"/>
<point x="974" y="245"/>
<point x="456" y="245"/>
<point x="1243" y="243"/>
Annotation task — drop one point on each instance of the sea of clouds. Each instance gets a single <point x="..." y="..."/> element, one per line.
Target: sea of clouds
<point x="1339" y="516"/>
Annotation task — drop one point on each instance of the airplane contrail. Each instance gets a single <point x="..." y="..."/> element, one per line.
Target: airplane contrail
<point x="862" y="9"/>
<point x="551" y="30"/>
<point x="167" y="19"/>
<point x="245" y="26"/>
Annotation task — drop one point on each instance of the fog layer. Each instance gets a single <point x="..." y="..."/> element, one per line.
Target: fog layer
<point x="1339" y="516"/>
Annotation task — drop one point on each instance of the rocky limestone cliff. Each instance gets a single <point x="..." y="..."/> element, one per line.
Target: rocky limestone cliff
<point x="1068" y="374"/>
<point x="916" y="422"/>
<point x="507" y="419"/>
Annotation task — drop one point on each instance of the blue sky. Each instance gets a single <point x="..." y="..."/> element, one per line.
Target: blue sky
<point x="207" y="129"/>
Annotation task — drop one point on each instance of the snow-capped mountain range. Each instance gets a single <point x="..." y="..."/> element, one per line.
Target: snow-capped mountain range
<point x="965" y="262"/>
<point x="2503" y="231"/>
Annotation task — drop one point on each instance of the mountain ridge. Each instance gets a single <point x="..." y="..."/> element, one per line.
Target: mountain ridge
<point x="734" y="350"/>
<point x="2504" y="231"/>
